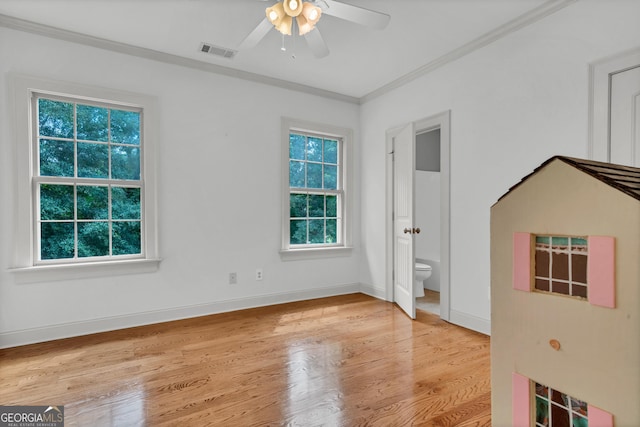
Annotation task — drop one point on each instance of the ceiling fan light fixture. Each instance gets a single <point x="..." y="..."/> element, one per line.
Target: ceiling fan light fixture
<point x="311" y="13"/>
<point x="292" y="7"/>
<point x="303" y="25"/>
<point x="275" y="13"/>
<point x="284" y="26"/>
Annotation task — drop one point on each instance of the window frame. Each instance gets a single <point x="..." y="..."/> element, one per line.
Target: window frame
<point x="77" y="182"/>
<point x="345" y="138"/>
<point x="26" y="261"/>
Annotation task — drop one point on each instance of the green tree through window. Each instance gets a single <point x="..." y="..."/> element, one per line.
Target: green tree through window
<point x="88" y="180"/>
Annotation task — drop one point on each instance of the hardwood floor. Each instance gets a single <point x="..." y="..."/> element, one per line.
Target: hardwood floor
<point x="343" y="361"/>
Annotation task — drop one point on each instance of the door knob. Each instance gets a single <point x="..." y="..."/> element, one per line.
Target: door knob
<point x="416" y="230"/>
<point x="407" y="230"/>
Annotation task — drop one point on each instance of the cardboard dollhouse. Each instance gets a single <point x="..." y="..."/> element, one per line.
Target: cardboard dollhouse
<point x="565" y="296"/>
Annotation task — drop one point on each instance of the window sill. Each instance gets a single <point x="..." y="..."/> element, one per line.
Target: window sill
<point x="314" y="253"/>
<point x="50" y="273"/>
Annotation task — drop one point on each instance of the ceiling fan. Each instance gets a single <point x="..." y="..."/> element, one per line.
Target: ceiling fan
<point x="306" y="14"/>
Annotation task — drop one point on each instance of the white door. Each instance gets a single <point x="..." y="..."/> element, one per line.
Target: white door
<point x="625" y="117"/>
<point x="403" y="183"/>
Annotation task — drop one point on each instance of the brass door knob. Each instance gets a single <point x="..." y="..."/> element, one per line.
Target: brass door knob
<point x="416" y="230"/>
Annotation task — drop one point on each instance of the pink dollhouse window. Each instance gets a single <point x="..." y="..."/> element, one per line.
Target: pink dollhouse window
<point x="556" y="409"/>
<point x="561" y="265"/>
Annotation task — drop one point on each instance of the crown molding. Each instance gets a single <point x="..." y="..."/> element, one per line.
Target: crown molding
<point x="154" y="55"/>
<point x="521" y="21"/>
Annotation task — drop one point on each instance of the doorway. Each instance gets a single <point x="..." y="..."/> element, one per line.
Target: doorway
<point x="399" y="263"/>
<point x="614" y="110"/>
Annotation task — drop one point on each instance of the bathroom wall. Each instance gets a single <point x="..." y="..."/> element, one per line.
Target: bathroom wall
<point x="427" y="202"/>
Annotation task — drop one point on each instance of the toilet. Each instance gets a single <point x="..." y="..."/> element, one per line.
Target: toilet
<point x="423" y="272"/>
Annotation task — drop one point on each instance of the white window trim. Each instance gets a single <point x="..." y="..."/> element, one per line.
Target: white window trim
<point x="23" y="262"/>
<point x="346" y="135"/>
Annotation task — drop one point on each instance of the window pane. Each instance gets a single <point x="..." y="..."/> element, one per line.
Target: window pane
<point x="316" y="205"/>
<point x="93" y="202"/>
<point x="316" y="231"/>
<point x="560" y="266"/>
<point x="56" y="158"/>
<point x="314" y="149"/>
<point x="542" y="263"/>
<point x="579" y="291"/>
<point x="56" y="202"/>
<point x="93" y="239"/>
<point x="330" y="177"/>
<point x="55" y="118"/>
<point x="296" y="174"/>
<point x="542" y="411"/>
<point x="560" y="241"/>
<point x="56" y="240"/>
<point x="542" y="239"/>
<point x="125" y="127"/>
<point x="92" y="123"/>
<point x="125" y="203"/>
<point x="330" y="151"/>
<point x="93" y="160"/>
<point x="560" y="288"/>
<point x="125" y="162"/>
<point x="579" y="268"/>
<point x="298" y="206"/>
<point x="314" y="175"/>
<point x="298" y="232"/>
<point x="332" y="235"/>
<point x="559" y="417"/>
<point x="542" y="284"/>
<point x="296" y="146"/>
<point x="126" y="238"/>
<point x="332" y="210"/>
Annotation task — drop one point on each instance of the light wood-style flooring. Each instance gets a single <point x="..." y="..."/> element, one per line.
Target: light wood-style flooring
<point x="350" y="360"/>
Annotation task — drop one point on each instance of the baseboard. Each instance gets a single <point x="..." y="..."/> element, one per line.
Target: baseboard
<point x="470" y="322"/>
<point x="67" y="330"/>
<point x="372" y="291"/>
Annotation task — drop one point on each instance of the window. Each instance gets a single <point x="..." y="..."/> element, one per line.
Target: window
<point x="561" y="265"/>
<point x="556" y="409"/>
<point x="315" y="196"/>
<point x="87" y="180"/>
<point x="85" y="190"/>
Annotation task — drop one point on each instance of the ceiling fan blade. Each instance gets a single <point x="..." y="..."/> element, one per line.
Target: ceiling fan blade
<point x="359" y="15"/>
<point x="316" y="43"/>
<point x="256" y="35"/>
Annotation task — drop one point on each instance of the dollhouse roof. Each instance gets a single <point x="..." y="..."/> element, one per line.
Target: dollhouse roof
<point x="623" y="178"/>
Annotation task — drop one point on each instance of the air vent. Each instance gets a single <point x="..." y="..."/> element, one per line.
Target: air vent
<point x="217" y="50"/>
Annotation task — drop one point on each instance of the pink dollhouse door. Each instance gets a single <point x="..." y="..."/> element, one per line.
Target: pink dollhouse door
<point x="403" y="192"/>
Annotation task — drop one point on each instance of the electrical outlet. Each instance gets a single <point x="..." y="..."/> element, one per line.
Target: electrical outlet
<point x="233" y="278"/>
<point x="259" y="274"/>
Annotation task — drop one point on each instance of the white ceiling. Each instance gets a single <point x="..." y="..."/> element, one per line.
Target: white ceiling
<point x="361" y="60"/>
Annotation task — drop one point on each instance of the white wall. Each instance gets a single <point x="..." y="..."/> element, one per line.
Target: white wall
<point x="427" y="216"/>
<point x="514" y="103"/>
<point x="219" y="196"/>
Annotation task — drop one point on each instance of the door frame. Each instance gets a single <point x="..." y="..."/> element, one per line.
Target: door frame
<point x="600" y="74"/>
<point x="440" y="121"/>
